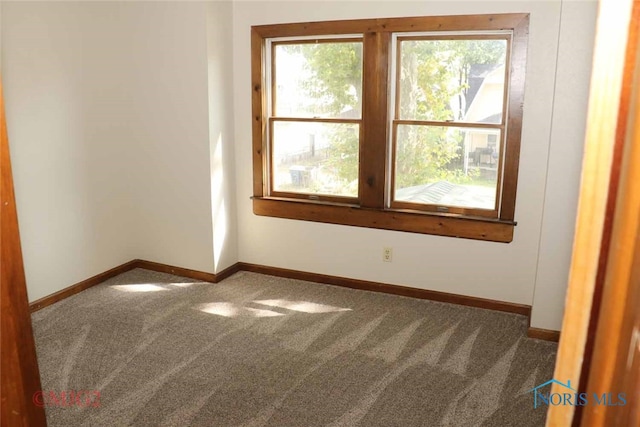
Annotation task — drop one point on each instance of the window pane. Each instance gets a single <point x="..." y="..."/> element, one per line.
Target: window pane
<point x="318" y="80"/>
<point x="316" y="158"/>
<point x="447" y="166"/>
<point x="452" y="80"/>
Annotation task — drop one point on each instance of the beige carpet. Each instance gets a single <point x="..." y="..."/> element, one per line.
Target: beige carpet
<point x="257" y="350"/>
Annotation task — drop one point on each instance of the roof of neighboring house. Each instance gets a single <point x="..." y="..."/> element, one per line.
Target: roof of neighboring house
<point x="429" y="193"/>
<point x="448" y="194"/>
<point x="494" y="118"/>
<point x="482" y="97"/>
<point x="477" y="74"/>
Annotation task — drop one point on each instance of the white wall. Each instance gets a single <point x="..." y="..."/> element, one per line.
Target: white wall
<point x="171" y="179"/>
<point x="68" y="112"/>
<point x="505" y="272"/>
<point x="108" y="116"/>
<point x="223" y="201"/>
<point x="565" y="155"/>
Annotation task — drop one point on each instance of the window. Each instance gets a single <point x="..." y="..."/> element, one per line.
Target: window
<point x="316" y="117"/>
<point x="409" y="124"/>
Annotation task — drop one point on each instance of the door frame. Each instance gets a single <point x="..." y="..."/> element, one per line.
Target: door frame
<point x="599" y="313"/>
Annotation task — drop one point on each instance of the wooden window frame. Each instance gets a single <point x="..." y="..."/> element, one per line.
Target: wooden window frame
<point x="374" y="207"/>
<point x="274" y="118"/>
<point x="399" y="121"/>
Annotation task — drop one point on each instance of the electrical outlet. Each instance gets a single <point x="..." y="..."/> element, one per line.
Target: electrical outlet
<point x="387" y="254"/>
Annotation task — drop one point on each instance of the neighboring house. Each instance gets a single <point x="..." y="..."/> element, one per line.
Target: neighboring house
<point x="486" y="96"/>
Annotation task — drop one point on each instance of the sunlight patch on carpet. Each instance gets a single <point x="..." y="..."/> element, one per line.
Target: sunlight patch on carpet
<point x="142" y="287"/>
<point x="303" y="306"/>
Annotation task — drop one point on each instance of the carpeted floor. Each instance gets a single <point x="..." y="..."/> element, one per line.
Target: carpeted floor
<point x="257" y="350"/>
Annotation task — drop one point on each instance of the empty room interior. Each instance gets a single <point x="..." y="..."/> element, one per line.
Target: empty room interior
<point x="297" y="213"/>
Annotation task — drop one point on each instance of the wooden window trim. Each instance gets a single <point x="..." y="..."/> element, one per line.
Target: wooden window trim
<point x="371" y="209"/>
<point x="398" y="120"/>
<point x="303" y="196"/>
<point x="477" y="228"/>
<point x="274" y="117"/>
<point x="399" y="204"/>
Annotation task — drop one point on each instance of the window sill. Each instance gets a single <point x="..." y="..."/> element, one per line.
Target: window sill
<point x="440" y="224"/>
